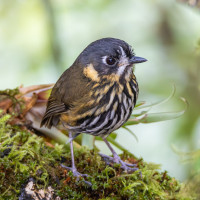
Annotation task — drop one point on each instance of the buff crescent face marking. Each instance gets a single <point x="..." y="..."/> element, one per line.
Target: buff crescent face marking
<point x="91" y="73"/>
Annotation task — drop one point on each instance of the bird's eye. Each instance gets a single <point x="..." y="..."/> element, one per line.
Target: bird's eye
<point x="110" y="60"/>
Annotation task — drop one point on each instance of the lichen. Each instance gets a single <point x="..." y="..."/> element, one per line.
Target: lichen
<point x="24" y="155"/>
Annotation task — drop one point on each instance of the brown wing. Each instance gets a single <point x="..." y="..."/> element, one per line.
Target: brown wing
<point x="71" y="86"/>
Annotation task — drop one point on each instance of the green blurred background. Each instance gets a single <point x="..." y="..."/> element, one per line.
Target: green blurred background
<point x="39" y="39"/>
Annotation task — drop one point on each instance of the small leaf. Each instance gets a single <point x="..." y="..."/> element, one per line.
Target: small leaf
<point x="133" y="121"/>
<point x="157" y="117"/>
<point x="133" y="116"/>
<point x="113" y="135"/>
<point x="140" y="104"/>
<point x="159" y="102"/>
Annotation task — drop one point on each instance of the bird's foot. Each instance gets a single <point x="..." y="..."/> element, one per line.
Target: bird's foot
<point x="77" y="174"/>
<point x="74" y="171"/>
<point x="129" y="168"/>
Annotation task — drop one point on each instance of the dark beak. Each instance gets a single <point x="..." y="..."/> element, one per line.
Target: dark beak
<point x="135" y="60"/>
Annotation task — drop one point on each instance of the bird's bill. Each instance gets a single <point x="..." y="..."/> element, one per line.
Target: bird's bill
<point x="135" y="60"/>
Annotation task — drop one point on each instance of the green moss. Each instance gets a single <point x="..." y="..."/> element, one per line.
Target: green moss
<point x="23" y="155"/>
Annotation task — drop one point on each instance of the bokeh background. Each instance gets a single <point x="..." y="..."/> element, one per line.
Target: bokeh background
<point x="39" y="39"/>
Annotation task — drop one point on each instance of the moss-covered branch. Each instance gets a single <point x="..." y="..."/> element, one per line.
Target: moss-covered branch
<point x="26" y="158"/>
<point x="30" y="166"/>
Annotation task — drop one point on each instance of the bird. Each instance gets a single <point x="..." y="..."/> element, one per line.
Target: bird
<point x="95" y="95"/>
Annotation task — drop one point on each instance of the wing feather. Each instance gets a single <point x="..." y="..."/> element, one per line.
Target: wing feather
<point x="71" y="86"/>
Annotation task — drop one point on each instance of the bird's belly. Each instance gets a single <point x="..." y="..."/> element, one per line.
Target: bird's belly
<point x="106" y="122"/>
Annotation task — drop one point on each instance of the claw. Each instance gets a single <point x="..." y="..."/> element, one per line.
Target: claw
<point x="117" y="159"/>
<point x="77" y="174"/>
<point x="125" y="166"/>
<point x="74" y="171"/>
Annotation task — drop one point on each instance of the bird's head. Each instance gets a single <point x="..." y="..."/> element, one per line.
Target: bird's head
<point x="108" y="56"/>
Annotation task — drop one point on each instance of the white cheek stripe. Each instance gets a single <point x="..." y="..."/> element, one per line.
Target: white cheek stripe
<point x="121" y="69"/>
<point x="123" y="62"/>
